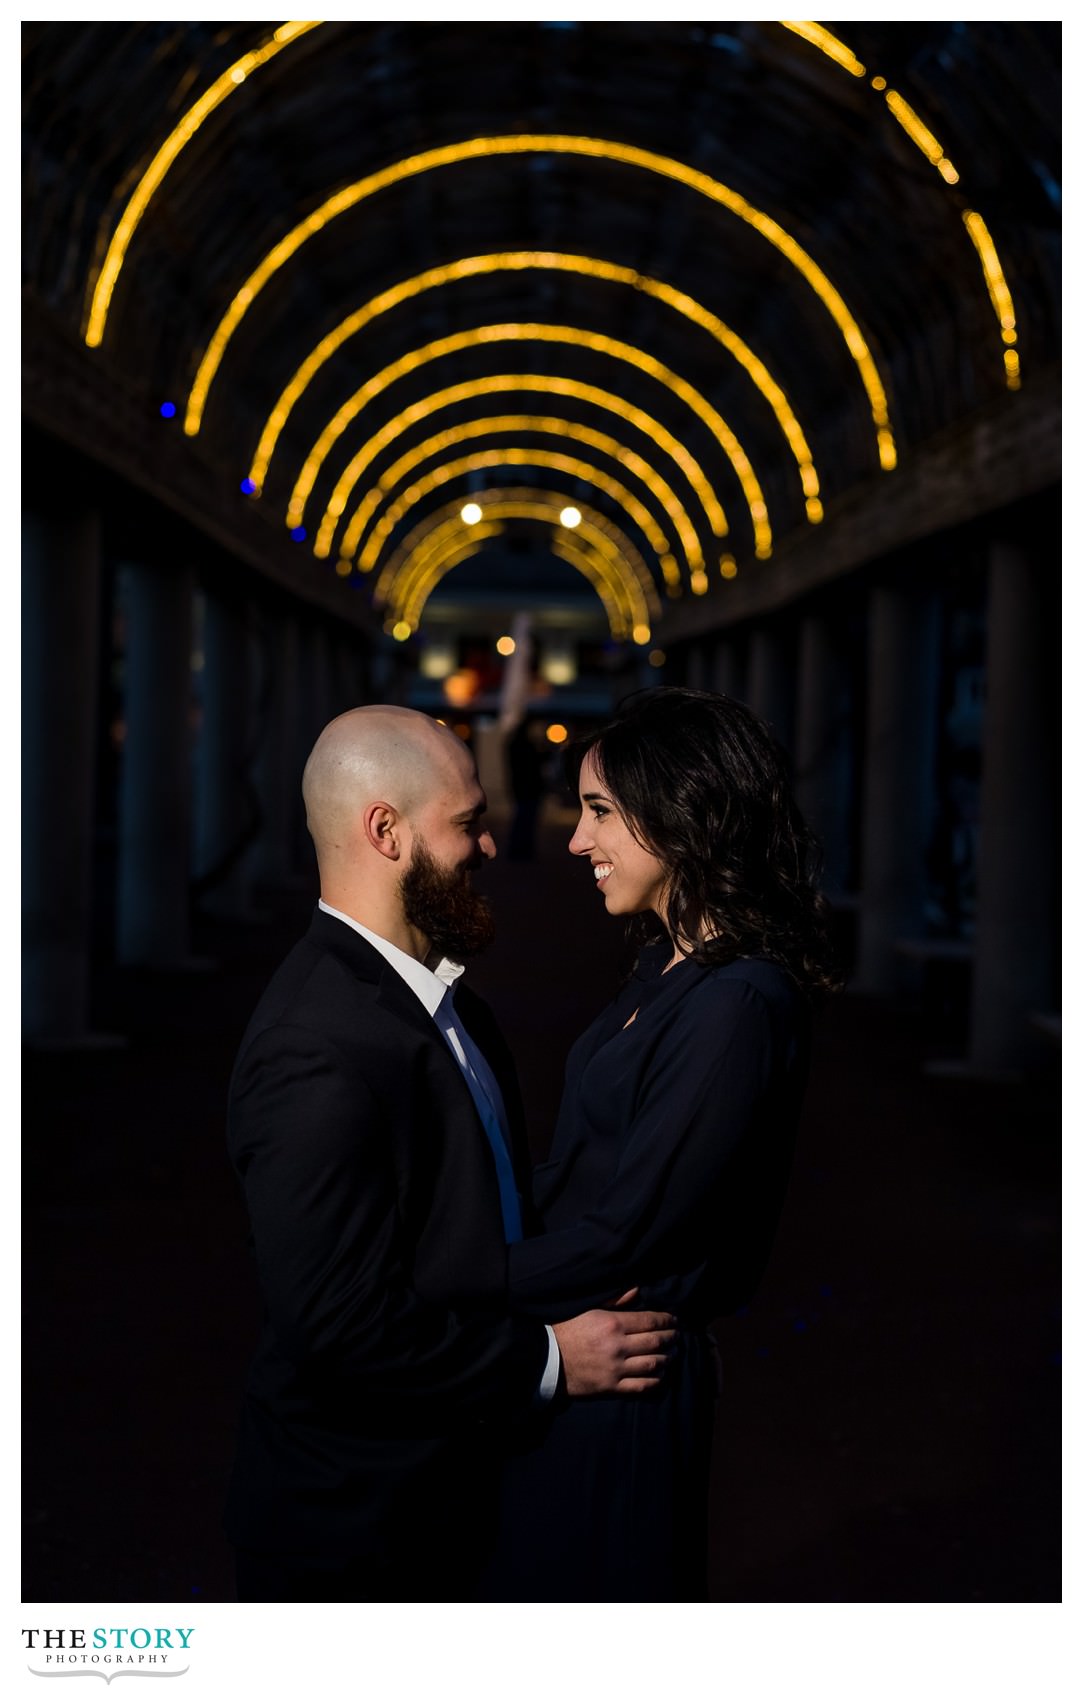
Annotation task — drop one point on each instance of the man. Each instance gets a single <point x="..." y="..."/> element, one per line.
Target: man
<point x="368" y="1123"/>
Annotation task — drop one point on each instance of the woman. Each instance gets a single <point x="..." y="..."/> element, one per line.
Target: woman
<point x="673" y="1144"/>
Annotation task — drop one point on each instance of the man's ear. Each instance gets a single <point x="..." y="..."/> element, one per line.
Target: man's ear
<point x="382" y="827"/>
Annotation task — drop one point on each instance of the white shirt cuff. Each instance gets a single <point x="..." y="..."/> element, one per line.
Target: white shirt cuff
<point x="551" y="1377"/>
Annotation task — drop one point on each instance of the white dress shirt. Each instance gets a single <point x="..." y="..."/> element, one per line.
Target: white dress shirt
<point x="435" y="988"/>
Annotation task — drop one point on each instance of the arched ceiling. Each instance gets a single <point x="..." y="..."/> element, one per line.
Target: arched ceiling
<point x="734" y="272"/>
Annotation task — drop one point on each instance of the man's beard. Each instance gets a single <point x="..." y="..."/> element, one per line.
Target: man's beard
<point x="440" y="904"/>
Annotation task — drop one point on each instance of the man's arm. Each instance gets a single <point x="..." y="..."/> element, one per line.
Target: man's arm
<point x="311" y="1145"/>
<point x="314" y="1151"/>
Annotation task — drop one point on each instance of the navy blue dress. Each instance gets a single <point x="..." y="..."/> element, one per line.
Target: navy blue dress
<point x="667" y="1172"/>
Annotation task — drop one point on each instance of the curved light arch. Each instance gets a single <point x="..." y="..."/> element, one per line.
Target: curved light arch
<point x="608" y="540"/>
<point x="518" y="260"/>
<point x="488" y="460"/>
<point x="566" y="546"/>
<point x="590" y="147"/>
<point x="923" y="138"/>
<point x="441" y="542"/>
<point x="516" y="382"/>
<point x="151" y="181"/>
<point x="540" y="425"/>
<point x="594" y="568"/>
<point x="484" y="336"/>
<point x="632" y="581"/>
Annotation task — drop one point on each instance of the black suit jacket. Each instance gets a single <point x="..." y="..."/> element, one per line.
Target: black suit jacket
<point x="388" y="1367"/>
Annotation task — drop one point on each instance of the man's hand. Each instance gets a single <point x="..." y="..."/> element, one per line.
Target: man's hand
<point x="615" y="1351"/>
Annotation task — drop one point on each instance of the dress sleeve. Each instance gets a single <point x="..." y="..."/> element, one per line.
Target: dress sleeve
<point x="309" y="1143"/>
<point x="702" y="1097"/>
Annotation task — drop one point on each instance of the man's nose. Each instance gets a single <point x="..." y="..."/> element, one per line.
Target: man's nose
<point x="487" y="846"/>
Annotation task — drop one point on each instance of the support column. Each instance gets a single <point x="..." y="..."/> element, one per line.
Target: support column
<point x="822" y="748"/>
<point x="225" y="796"/>
<point x="155" y="780"/>
<point x="771" y="681"/>
<point x="729" y="669"/>
<point x="61" y="589"/>
<point x="696" y="669"/>
<point x="900" y="750"/>
<point x="1016" y="862"/>
<point x="279" y="758"/>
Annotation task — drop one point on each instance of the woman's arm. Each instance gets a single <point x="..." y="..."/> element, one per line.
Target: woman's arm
<point x="715" y="1076"/>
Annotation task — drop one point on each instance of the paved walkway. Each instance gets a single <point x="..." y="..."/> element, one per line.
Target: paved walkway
<point x="890" y="1428"/>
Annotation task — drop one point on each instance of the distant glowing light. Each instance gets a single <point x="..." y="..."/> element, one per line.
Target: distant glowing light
<point x="728" y="566"/>
<point x="471" y="514"/>
<point x="556" y="733"/>
<point x="151" y="180"/>
<point x="879" y="83"/>
<point x="400" y="631"/>
<point x="461" y="687"/>
<point x="699" y="582"/>
<point x="570" y="517"/>
<point x="343" y="568"/>
<point x="641" y="634"/>
<point x="167" y="410"/>
<point x="247" y="487"/>
<point x="657" y="658"/>
<point x="505" y="646"/>
<point x="298" y="533"/>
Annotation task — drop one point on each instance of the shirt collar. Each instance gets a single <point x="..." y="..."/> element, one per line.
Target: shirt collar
<point x="430" y="984"/>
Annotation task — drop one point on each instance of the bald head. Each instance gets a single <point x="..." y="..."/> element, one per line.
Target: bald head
<point x="375" y="754"/>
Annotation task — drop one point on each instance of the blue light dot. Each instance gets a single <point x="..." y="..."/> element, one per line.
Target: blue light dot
<point x="247" y="487"/>
<point x="800" y="1327"/>
<point x="167" y="410"/>
<point x="298" y="534"/>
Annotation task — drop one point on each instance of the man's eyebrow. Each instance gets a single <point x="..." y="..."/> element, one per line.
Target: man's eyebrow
<point x="471" y="814"/>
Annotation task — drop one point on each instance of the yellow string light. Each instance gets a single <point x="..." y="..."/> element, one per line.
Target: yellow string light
<point x="152" y="178"/>
<point x="829" y="44"/>
<point x="999" y="293"/>
<point x="540" y="425"/>
<point x="433" y="550"/>
<point x="592" y="567"/>
<point x="515" y="382"/>
<point x="479" y="265"/>
<point x="922" y="137"/>
<point x="491" y="458"/>
<point x="487" y="335"/>
<point x="446" y="541"/>
<point x="589" y="147"/>
<point x="920" y="134"/>
<point x="631" y="582"/>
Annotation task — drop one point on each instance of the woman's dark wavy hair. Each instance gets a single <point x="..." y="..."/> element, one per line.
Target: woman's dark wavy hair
<point x="701" y="783"/>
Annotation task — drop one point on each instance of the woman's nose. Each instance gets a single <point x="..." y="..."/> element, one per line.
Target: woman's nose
<point x="579" y="843"/>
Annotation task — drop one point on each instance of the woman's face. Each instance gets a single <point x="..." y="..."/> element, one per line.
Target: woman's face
<point x="629" y="877"/>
